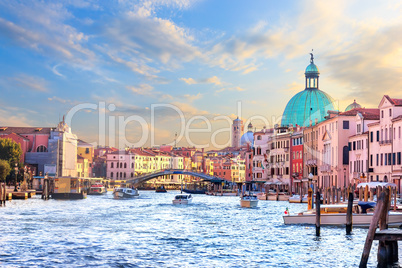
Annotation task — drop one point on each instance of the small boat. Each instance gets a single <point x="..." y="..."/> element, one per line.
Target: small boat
<point x="194" y="191"/>
<point x="125" y="193"/>
<point x="160" y="189"/>
<point x="248" y="201"/>
<point x="335" y="215"/>
<point x="296" y="199"/>
<point x="69" y="188"/>
<point x="97" y="189"/>
<point x="182" y="199"/>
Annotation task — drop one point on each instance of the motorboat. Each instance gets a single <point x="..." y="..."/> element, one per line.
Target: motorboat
<point x="97" y="189"/>
<point x="161" y="189"/>
<point x="121" y="192"/>
<point x="296" y="199"/>
<point x="335" y="215"/>
<point x="248" y="201"/>
<point x="182" y="199"/>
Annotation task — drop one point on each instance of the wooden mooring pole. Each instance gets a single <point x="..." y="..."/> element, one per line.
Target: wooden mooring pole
<point x="349" y="214"/>
<point x="3" y="194"/>
<point x="317" y="213"/>
<point x="380" y="210"/>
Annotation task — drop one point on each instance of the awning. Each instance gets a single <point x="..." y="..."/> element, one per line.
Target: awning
<point x="374" y="184"/>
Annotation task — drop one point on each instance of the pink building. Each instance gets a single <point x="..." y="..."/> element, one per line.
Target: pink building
<point x="359" y="146"/>
<point x="385" y="143"/>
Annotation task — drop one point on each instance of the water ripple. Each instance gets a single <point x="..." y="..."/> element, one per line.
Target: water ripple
<point x="151" y="232"/>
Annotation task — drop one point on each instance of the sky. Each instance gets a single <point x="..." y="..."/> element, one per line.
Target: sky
<point x="132" y="73"/>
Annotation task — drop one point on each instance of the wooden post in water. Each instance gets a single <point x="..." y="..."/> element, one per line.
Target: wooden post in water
<point x="333" y="195"/>
<point x="382" y="205"/>
<point x="310" y="199"/>
<point x="2" y="194"/>
<point x="317" y="213"/>
<point x="394" y="199"/>
<point x="360" y="193"/>
<point x="366" y="193"/>
<point x="349" y="214"/>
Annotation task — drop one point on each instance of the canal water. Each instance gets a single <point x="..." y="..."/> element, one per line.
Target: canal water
<point x="151" y="232"/>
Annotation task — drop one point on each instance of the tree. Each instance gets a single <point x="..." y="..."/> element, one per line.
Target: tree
<point x="10" y="151"/>
<point x="4" y="169"/>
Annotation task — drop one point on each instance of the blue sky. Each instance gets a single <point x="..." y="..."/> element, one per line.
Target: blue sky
<point x="203" y="57"/>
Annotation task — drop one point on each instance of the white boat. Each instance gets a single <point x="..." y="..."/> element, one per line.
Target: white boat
<point x="125" y="193"/>
<point x="248" y="201"/>
<point x="296" y="199"/>
<point x="97" y="189"/>
<point x="336" y="215"/>
<point x="182" y="199"/>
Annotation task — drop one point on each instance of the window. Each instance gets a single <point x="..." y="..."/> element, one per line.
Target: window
<point x="382" y="116"/>
<point x="376" y="162"/>
<point x="399" y="158"/>
<point x="87" y="150"/>
<point x="390" y="112"/>
<point x="111" y="174"/>
<point x="345" y="124"/>
<point x="132" y="165"/>
<point x="258" y="137"/>
<point x="371" y="160"/>
<point x="111" y="165"/>
<point x="41" y="149"/>
<point x="371" y="136"/>
<point x="378" y="135"/>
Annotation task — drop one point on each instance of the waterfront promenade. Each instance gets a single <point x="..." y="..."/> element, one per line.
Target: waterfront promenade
<point x="150" y="232"/>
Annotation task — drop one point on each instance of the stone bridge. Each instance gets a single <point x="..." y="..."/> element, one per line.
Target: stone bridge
<point x="137" y="180"/>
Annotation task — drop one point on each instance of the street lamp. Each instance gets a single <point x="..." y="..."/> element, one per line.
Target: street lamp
<point x="16" y="172"/>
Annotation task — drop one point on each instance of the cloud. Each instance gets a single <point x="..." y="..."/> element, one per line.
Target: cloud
<point x="54" y="98"/>
<point x="42" y="29"/>
<point x="143" y="89"/>
<point x="189" y="81"/>
<point x="230" y="89"/>
<point x="211" y="80"/>
<point x="28" y="82"/>
<point x="191" y="98"/>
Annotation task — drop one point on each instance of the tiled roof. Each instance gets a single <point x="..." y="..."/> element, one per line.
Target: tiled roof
<point x="25" y="130"/>
<point x="368" y="113"/>
<point x="396" y="102"/>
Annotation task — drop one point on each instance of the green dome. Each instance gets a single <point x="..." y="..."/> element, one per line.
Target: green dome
<point x="353" y="106"/>
<point x="312" y="69"/>
<point x="309" y="104"/>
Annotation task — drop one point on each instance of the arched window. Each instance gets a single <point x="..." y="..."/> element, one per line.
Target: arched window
<point x="121" y="174"/>
<point x="111" y="165"/>
<point x="124" y="174"/>
<point x="41" y="149"/>
<point x="385" y="179"/>
<point x="132" y="174"/>
<point x="117" y="174"/>
<point x="121" y="165"/>
<point x="132" y="165"/>
<point x="125" y="165"/>
<point x="111" y="174"/>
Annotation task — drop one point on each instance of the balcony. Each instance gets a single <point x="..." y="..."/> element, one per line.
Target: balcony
<point x="325" y="168"/>
<point x="311" y="162"/>
<point x="286" y="149"/>
<point x="385" y="142"/>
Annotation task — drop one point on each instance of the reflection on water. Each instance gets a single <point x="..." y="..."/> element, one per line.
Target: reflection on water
<point x="150" y="231"/>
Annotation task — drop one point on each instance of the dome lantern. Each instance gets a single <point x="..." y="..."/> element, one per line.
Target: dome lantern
<point x="312" y="74"/>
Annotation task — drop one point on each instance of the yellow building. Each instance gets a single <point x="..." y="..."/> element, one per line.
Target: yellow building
<point x="86" y="150"/>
